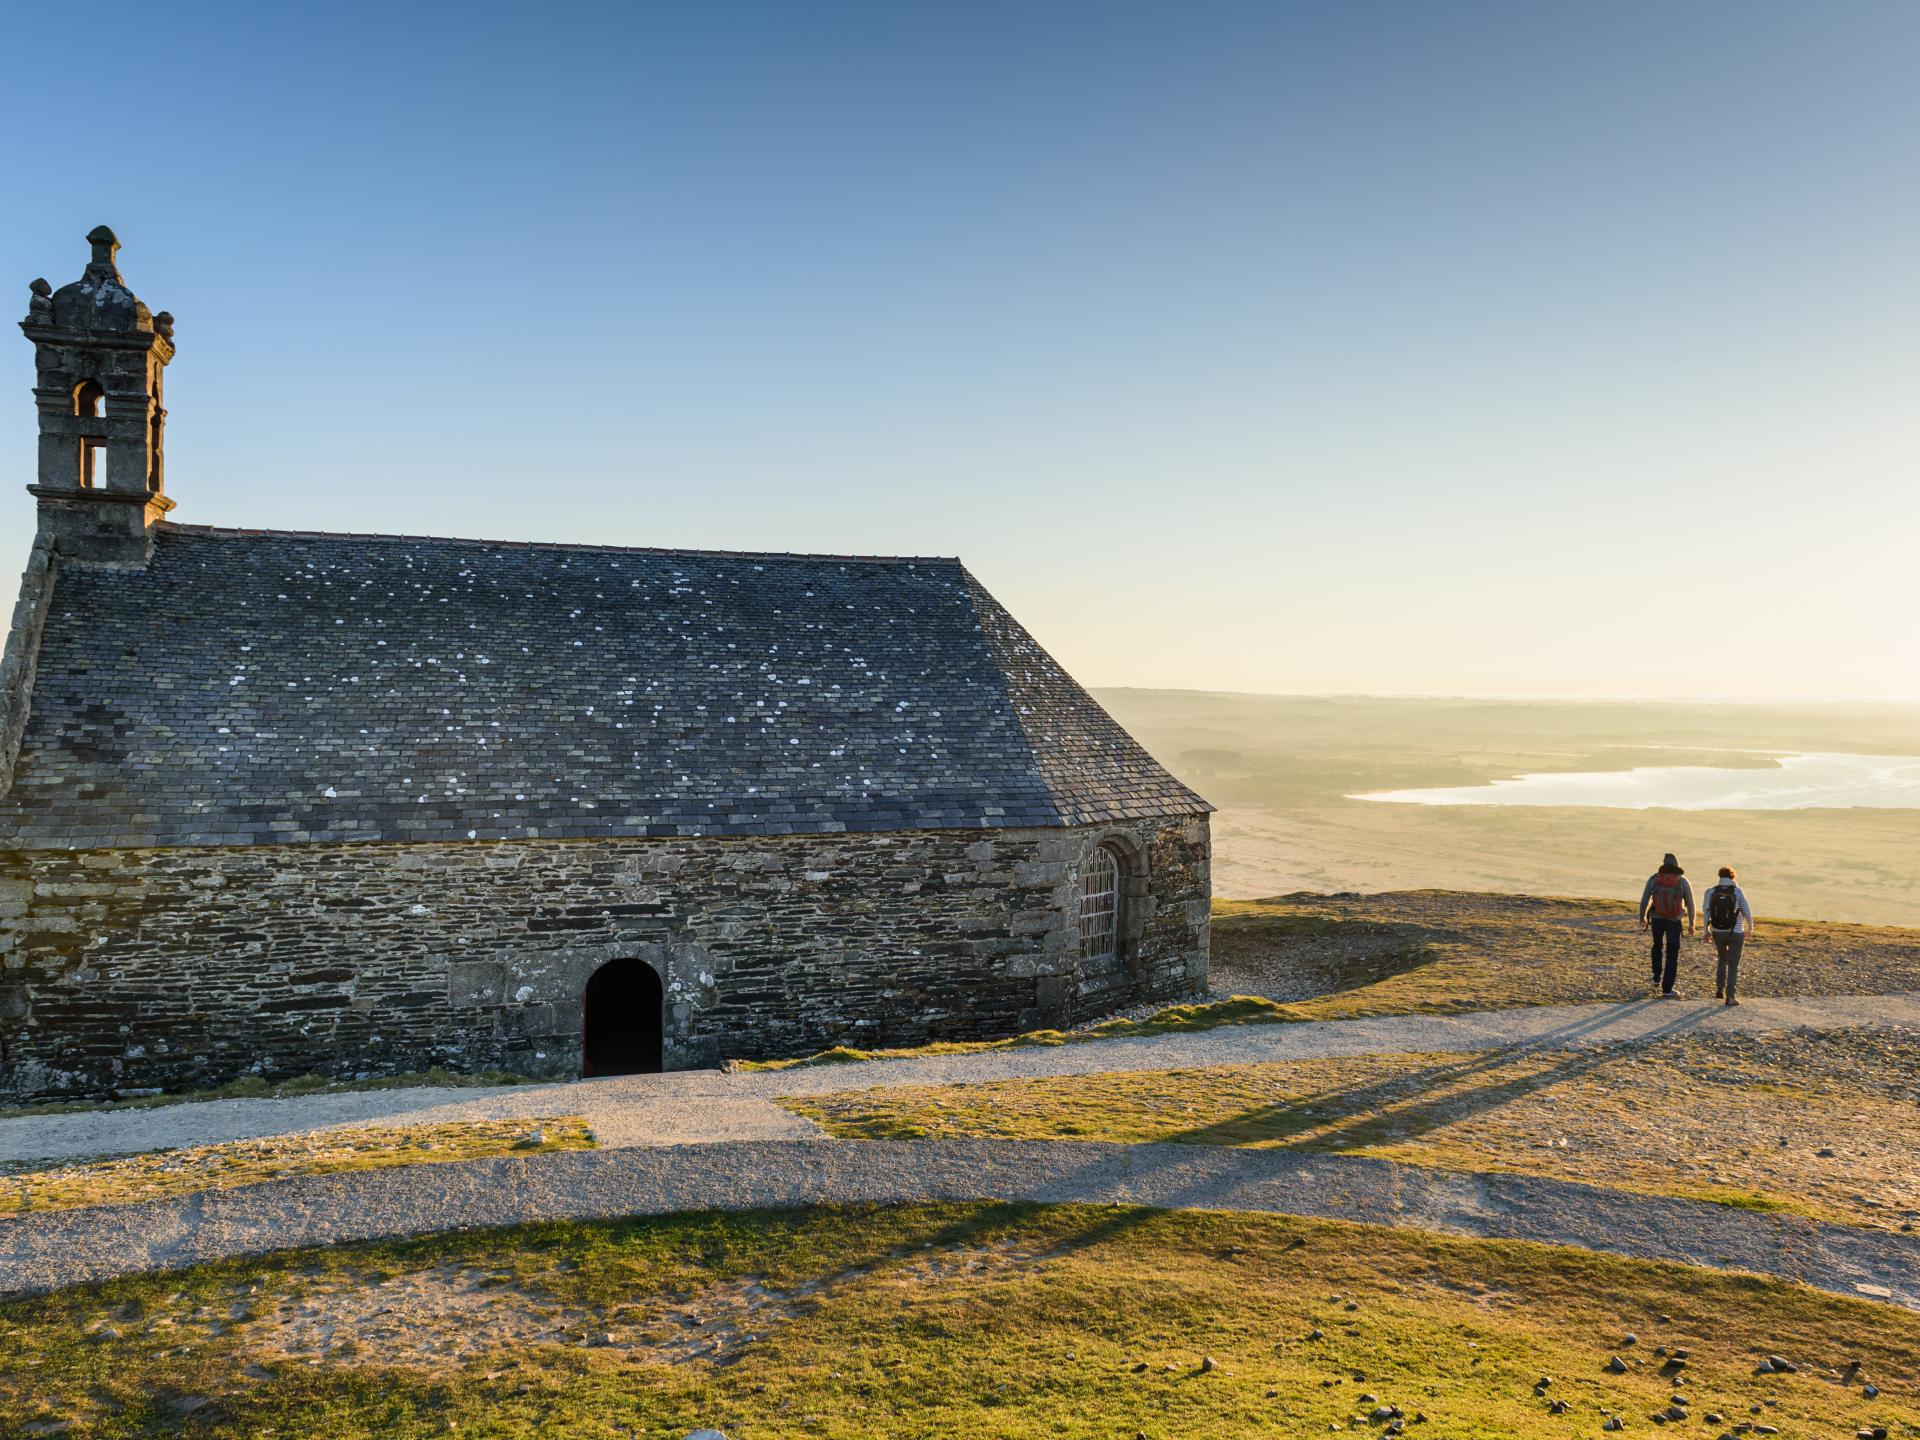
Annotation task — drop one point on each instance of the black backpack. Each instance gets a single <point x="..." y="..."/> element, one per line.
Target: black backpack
<point x="1723" y="907"/>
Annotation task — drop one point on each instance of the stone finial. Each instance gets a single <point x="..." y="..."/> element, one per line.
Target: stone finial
<point x="105" y="244"/>
<point x="163" y="324"/>
<point x="88" y="336"/>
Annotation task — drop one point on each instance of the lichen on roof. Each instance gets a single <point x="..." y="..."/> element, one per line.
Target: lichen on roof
<point x="254" y="687"/>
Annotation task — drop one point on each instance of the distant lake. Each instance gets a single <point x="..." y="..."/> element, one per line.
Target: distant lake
<point x="1797" y="782"/>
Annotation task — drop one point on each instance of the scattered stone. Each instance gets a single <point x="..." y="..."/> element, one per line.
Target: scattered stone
<point x="1870" y="1391"/>
<point x="1617" y="1365"/>
<point x="706" y="1435"/>
<point x="1318" y="1334"/>
<point x="1780" y="1365"/>
<point x="1629" y="1339"/>
<point x="1207" y="1367"/>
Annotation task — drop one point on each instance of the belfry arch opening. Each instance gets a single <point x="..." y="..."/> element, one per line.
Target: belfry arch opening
<point x="622" y="1018"/>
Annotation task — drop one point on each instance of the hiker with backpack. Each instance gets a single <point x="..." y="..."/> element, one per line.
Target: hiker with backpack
<point x="1668" y="895"/>
<point x="1729" y="923"/>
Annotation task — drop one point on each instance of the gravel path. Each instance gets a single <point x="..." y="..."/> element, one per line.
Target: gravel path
<point x="702" y="1106"/>
<point x="49" y="1249"/>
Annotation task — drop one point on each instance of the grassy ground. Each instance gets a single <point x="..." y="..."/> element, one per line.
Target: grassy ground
<point x="1741" y="1120"/>
<point x="1341" y="957"/>
<point x="983" y="1321"/>
<point x="254" y="1087"/>
<point x="1435" y="951"/>
<point x="162" y="1173"/>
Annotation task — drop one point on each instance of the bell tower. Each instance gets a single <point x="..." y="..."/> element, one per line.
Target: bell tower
<point x="99" y="354"/>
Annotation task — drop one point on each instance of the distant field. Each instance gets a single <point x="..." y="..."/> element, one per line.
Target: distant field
<point x="1280" y="768"/>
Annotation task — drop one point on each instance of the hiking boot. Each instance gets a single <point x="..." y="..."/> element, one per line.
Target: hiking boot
<point x="1669" y="994"/>
<point x="1732" y="1001"/>
<point x="1719" y="994"/>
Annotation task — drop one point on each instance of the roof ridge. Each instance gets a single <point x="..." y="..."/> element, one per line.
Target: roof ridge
<point x="570" y="546"/>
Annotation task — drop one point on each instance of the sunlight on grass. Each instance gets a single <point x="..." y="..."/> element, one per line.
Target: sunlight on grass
<point x="1016" y="1322"/>
<point x="1689" y="1116"/>
<point x="163" y="1173"/>
<point x="1174" y="1020"/>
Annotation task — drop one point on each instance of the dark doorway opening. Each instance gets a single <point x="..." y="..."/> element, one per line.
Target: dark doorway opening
<point x="621" y="1020"/>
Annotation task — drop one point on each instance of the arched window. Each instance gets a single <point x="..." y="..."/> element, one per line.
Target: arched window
<point x="89" y="399"/>
<point x="1100" y="905"/>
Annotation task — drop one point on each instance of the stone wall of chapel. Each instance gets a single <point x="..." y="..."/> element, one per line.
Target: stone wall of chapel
<point x="173" y="968"/>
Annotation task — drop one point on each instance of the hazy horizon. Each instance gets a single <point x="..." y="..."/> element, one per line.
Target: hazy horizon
<point x="1489" y="350"/>
<point x="1894" y="702"/>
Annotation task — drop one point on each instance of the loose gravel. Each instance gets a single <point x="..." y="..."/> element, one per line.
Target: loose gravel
<point x="45" y="1251"/>
<point x="704" y="1106"/>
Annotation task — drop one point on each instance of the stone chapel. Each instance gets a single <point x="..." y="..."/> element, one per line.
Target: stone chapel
<point x="274" y="803"/>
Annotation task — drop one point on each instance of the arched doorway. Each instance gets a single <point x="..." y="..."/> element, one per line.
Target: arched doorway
<point x="621" y="1019"/>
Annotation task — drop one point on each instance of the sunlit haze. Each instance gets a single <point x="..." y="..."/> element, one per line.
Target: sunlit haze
<point x="1449" y="349"/>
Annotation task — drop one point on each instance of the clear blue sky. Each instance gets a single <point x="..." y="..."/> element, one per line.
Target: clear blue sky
<point x="1458" y="348"/>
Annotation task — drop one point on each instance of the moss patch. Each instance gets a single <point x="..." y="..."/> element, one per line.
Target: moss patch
<point x="1175" y="1019"/>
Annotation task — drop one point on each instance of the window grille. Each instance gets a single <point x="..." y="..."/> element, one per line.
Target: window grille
<point x="1099" y="905"/>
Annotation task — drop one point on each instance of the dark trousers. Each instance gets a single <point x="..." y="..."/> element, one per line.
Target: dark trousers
<point x="1666" y="934"/>
<point x="1727" y="944"/>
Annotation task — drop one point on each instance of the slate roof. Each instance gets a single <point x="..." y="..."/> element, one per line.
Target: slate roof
<point x="263" y="687"/>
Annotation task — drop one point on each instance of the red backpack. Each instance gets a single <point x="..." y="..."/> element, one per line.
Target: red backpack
<point x="1667" y="902"/>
